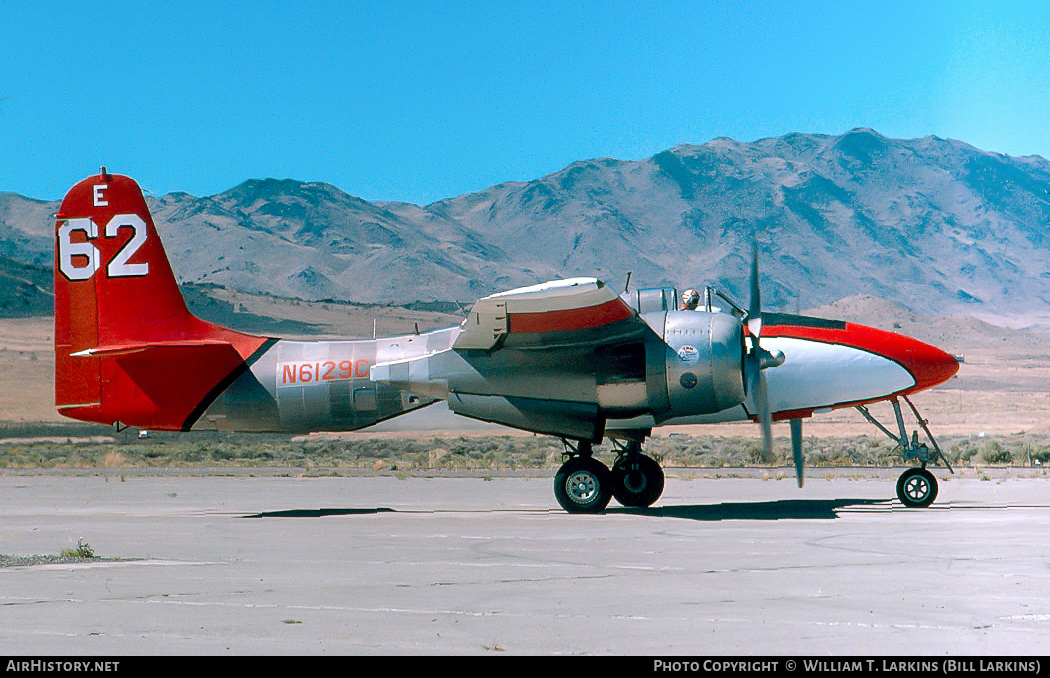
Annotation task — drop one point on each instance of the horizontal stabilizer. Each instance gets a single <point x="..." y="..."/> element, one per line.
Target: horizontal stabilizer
<point x="115" y="350"/>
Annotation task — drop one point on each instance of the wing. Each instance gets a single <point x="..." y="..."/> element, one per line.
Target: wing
<point x="564" y="313"/>
<point x="549" y="358"/>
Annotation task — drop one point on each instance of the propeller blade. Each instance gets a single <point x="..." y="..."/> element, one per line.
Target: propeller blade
<point x="754" y="311"/>
<point x="796" y="447"/>
<point x="765" y="417"/>
<point x="758" y="359"/>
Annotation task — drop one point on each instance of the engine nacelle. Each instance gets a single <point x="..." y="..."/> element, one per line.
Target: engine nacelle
<point x="699" y="366"/>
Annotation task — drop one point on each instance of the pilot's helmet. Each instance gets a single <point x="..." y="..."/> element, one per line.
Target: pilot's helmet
<point x="690" y="298"/>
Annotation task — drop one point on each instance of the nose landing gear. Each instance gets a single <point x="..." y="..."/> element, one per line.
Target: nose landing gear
<point x="916" y="487"/>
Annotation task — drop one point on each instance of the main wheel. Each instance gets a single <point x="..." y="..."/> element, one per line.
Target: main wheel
<point x="917" y="488"/>
<point x="638" y="483"/>
<point x="582" y="485"/>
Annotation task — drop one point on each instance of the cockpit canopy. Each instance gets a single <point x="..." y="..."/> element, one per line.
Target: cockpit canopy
<point x="661" y="299"/>
<point x="652" y="300"/>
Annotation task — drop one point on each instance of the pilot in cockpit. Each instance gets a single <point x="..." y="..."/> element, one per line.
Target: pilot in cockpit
<point x="690" y="300"/>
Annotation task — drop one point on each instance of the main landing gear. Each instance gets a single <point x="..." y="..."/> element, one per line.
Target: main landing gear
<point x="916" y="487"/>
<point x="585" y="485"/>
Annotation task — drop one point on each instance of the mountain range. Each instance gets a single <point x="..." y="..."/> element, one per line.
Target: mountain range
<point x="932" y="224"/>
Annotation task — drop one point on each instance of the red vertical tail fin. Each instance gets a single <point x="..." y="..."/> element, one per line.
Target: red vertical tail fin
<point x="126" y="347"/>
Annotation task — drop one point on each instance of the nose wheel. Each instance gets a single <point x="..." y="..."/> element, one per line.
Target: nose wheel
<point x="916" y="488"/>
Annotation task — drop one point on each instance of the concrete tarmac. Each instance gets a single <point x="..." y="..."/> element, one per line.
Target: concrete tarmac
<point x="241" y="565"/>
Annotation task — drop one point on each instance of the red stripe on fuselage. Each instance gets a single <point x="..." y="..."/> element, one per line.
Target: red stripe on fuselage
<point x="571" y="319"/>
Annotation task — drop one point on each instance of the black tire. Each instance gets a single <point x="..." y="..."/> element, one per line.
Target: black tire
<point x="582" y="485"/>
<point x="638" y="484"/>
<point x="917" y="488"/>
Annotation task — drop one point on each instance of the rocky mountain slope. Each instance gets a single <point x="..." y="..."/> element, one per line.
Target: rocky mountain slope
<point x="25" y="289"/>
<point x="933" y="224"/>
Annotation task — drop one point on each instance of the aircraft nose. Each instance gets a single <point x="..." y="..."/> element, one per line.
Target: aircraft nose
<point x="929" y="365"/>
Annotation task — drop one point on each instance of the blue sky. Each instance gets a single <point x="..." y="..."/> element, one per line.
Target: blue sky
<point x="422" y="101"/>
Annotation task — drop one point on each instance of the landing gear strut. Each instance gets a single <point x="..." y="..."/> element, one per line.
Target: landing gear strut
<point x="916" y="487"/>
<point x="584" y="485"/>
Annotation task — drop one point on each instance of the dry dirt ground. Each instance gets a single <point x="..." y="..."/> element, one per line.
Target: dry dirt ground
<point x="1003" y="385"/>
<point x="28" y="366"/>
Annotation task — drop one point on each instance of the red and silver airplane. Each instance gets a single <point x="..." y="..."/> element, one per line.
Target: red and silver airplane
<point x="569" y="358"/>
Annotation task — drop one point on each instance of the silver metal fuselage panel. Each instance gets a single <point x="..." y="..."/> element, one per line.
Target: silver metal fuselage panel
<point x="320" y="385"/>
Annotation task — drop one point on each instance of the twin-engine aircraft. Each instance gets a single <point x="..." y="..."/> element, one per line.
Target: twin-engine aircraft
<point x="569" y="358"/>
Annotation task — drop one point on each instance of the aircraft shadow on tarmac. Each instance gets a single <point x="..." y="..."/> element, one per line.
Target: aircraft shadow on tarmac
<point x="784" y="509"/>
<point x="320" y="513"/>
